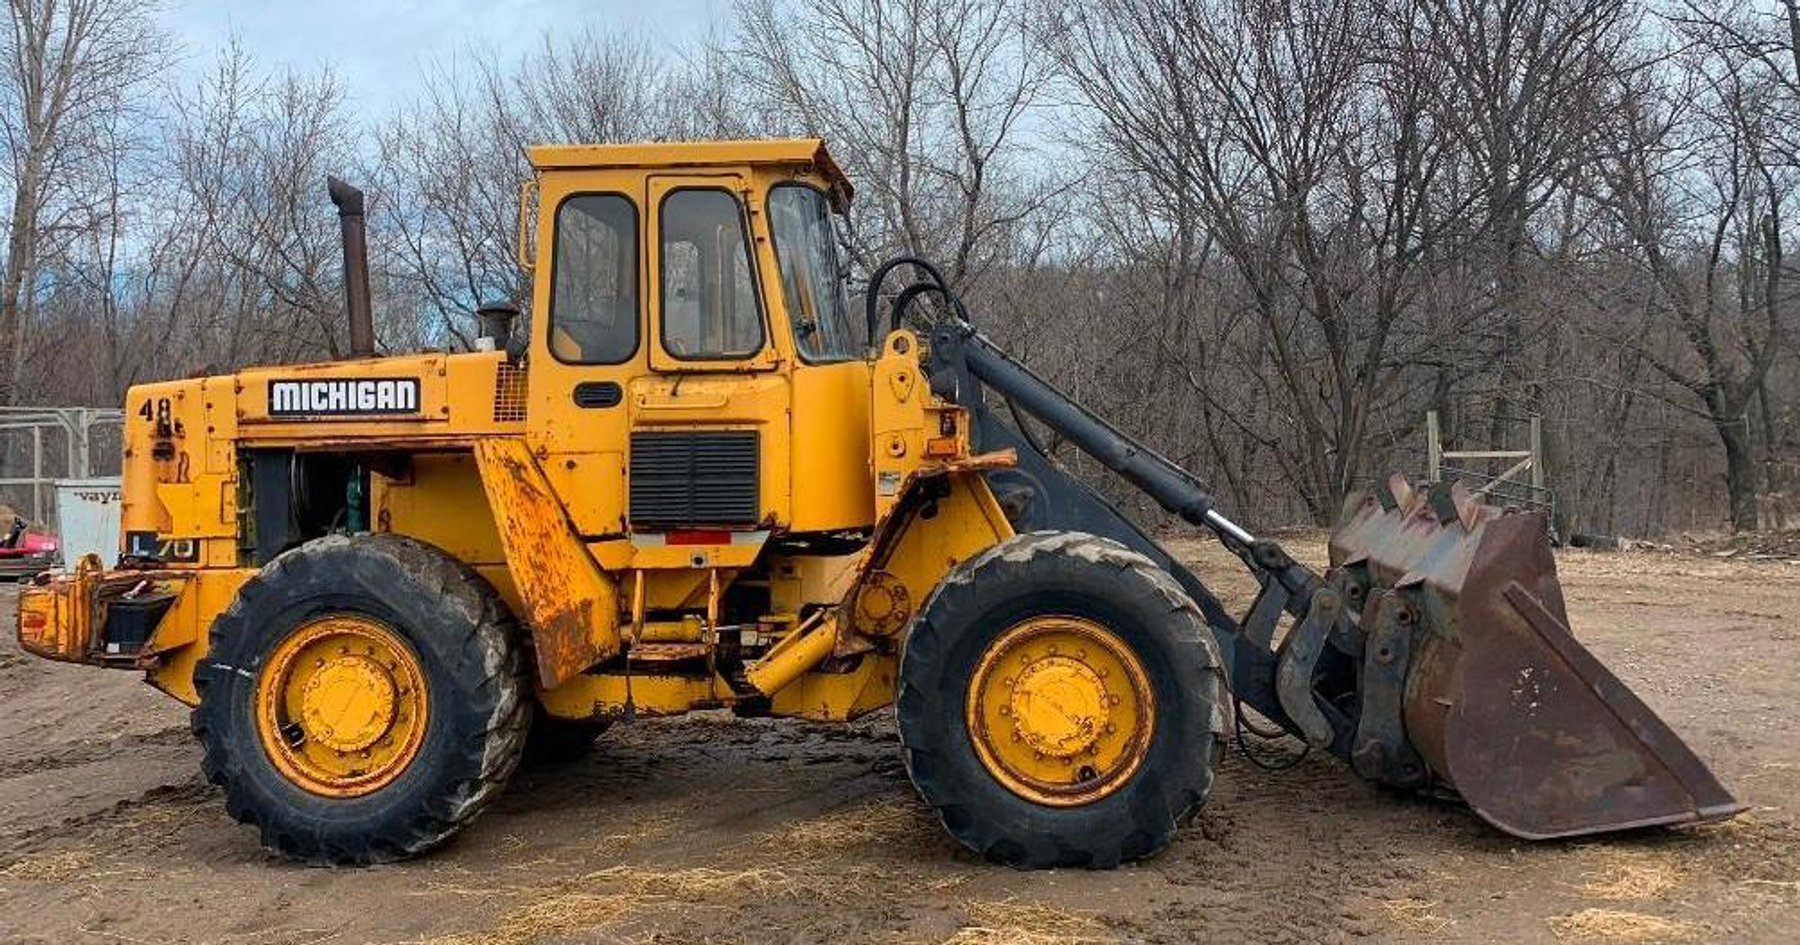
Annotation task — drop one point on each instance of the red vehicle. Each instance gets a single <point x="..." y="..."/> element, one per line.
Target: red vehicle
<point x="24" y="554"/>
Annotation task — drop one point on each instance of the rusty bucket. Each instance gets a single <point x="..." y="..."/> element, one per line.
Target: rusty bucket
<point x="1502" y="703"/>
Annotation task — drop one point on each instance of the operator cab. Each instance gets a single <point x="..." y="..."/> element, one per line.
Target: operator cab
<point x="689" y="317"/>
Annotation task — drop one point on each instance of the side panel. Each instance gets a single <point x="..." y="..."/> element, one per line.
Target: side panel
<point x="700" y="405"/>
<point x="946" y="520"/>
<point x="833" y="489"/>
<point x="835" y="697"/>
<point x="180" y="472"/>
<point x="439" y="499"/>
<point x="571" y="606"/>
<point x="181" y="638"/>
<point x="604" y="696"/>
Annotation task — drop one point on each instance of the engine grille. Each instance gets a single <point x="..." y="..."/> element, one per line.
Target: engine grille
<point x="509" y="393"/>
<point x="690" y="478"/>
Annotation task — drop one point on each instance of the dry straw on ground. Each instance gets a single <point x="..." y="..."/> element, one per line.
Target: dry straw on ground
<point x="602" y="897"/>
<point x="1009" y="922"/>
<point x="555" y="914"/>
<point x="1416" y="914"/>
<point x="697" y="883"/>
<point x="1629" y="876"/>
<point x="1613" y="926"/>
<point x="878" y="820"/>
<point x="50" y="867"/>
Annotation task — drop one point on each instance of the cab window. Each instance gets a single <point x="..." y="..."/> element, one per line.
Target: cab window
<point x="710" y="309"/>
<point x="594" y="283"/>
<point x="812" y="282"/>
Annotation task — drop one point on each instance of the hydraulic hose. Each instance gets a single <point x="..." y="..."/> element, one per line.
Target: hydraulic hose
<point x="872" y="296"/>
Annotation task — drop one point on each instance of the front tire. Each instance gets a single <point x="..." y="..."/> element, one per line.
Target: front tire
<point x="1061" y="703"/>
<point x="362" y="699"/>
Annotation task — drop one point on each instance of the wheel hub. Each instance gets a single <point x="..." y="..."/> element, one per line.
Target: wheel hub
<point x="341" y="705"/>
<point x="1060" y="710"/>
<point x="349" y="704"/>
<point x="1059" y="706"/>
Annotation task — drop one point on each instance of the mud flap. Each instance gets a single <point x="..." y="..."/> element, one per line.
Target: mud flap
<point x="1501" y="701"/>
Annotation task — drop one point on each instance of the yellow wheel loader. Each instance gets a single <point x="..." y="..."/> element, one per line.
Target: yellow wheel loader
<point x="698" y="480"/>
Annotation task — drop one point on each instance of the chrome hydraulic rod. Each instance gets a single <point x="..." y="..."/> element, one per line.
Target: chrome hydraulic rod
<point x="1226" y="526"/>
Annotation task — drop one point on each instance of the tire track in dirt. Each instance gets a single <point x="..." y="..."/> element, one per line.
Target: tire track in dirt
<point x="17" y="763"/>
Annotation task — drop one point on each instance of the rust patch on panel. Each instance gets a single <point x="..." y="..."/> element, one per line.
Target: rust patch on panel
<point x="571" y="605"/>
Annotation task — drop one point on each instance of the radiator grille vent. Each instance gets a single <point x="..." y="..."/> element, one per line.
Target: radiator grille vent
<point x="692" y="478"/>
<point x="509" y="393"/>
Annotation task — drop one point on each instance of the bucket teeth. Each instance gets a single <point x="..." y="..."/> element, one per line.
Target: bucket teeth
<point x="1452" y="503"/>
<point x="1443" y="504"/>
<point x="1468" y="507"/>
<point x="1393" y="493"/>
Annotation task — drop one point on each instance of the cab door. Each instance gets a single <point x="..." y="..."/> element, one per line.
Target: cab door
<point x="589" y="343"/>
<point x="709" y="423"/>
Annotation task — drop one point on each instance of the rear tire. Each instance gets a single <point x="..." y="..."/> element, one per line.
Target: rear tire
<point x="1161" y="648"/>
<point x="447" y="628"/>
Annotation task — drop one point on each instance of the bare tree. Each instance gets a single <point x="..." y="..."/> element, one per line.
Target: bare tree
<point x="1703" y="198"/>
<point x="69" y="69"/>
<point x="927" y="101"/>
<point x="450" y="165"/>
<point x="1302" y="145"/>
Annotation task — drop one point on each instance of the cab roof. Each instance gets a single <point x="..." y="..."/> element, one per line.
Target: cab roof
<point x="793" y="152"/>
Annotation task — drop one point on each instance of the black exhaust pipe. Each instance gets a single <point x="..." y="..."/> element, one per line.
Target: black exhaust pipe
<point x="349" y="202"/>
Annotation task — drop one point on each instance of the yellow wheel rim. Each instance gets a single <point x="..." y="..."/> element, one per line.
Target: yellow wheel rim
<point x="1060" y="711"/>
<point x="341" y="706"/>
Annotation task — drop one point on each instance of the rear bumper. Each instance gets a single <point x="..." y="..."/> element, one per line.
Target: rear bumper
<point x="94" y="616"/>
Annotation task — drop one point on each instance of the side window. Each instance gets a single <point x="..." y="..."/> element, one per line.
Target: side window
<point x="709" y="301"/>
<point x="594" y="283"/>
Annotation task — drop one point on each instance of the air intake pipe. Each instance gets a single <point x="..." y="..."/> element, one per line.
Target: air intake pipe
<point x="349" y="202"/>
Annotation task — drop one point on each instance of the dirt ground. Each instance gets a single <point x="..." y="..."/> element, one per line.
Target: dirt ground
<point x="711" y="830"/>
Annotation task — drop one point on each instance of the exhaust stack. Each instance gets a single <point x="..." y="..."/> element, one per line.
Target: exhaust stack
<point x="349" y="201"/>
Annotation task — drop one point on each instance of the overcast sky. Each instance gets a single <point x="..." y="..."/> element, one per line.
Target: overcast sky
<point x="377" y="46"/>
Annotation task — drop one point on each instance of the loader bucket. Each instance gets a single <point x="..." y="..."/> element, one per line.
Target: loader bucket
<point x="1501" y="702"/>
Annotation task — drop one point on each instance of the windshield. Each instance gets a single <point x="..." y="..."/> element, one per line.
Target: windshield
<point x="811" y="283"/>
